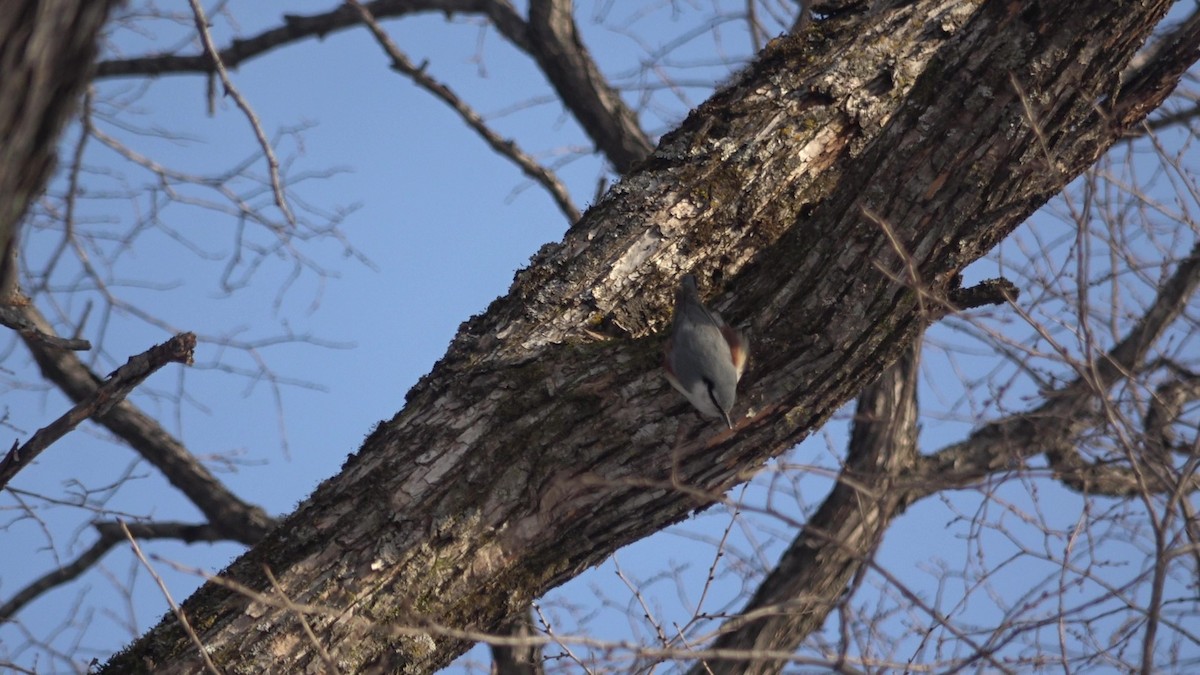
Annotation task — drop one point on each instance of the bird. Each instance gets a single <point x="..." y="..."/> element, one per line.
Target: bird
<point x="705" y="356"/>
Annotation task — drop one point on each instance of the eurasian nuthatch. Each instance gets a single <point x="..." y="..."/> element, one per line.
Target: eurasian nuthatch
<point x="705" y="356"/>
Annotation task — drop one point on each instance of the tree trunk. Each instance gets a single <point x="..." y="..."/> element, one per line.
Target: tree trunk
<point x="828" y="197"/>
<point x="47" y="52"/>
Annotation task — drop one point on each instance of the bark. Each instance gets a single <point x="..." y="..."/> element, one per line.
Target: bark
<point x="47" y="52"/>
<point x="829" y="196"/>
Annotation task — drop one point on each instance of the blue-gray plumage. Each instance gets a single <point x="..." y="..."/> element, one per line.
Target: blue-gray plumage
<point x="705" y="356"/>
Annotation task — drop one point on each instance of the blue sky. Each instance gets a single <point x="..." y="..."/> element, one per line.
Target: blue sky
<point x="443" y="224"/>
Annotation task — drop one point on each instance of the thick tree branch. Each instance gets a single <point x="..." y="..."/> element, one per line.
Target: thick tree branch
<point x="522" y="458"/>
<point x="556" y="45"/>
<point x="235" y="518"/>
<point x="102" y="399"/>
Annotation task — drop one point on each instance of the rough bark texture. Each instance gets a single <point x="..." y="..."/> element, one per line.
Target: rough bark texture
<point x="869" y="156"/>
<point x="47" y="52"/>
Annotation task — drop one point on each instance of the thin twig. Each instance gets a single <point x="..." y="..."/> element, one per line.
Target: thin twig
<point x="14" y="318"/>
<point x="210" y="48"/>
<point x="162" y="586"/>
<point x="111" y="534"/>
<point x="914" y="280"/>
<point x="505" y="147"/>
<point x="308" y="631"/>
<point x="1032" y="118"/>
<point x="646" y="611"/>
<point x="753" y="26"/>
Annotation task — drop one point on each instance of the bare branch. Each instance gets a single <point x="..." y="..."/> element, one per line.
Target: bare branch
<point x="560" y="52"/>
<point x="15" y="319"/>
<point x="175" y="608"/>
<point x="298" y="27"/>
<point x="235" y="518"/>
<point x="116" y="387"/>
<point x="210" y="49"/>
<point x="1165" y="407"/>
<point x="1052" y="427"/>
<point x="110" y="535"/>
<point x="987" y="292"/>
<point x="506" y="148"/>
<point x="550" y="37"/>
